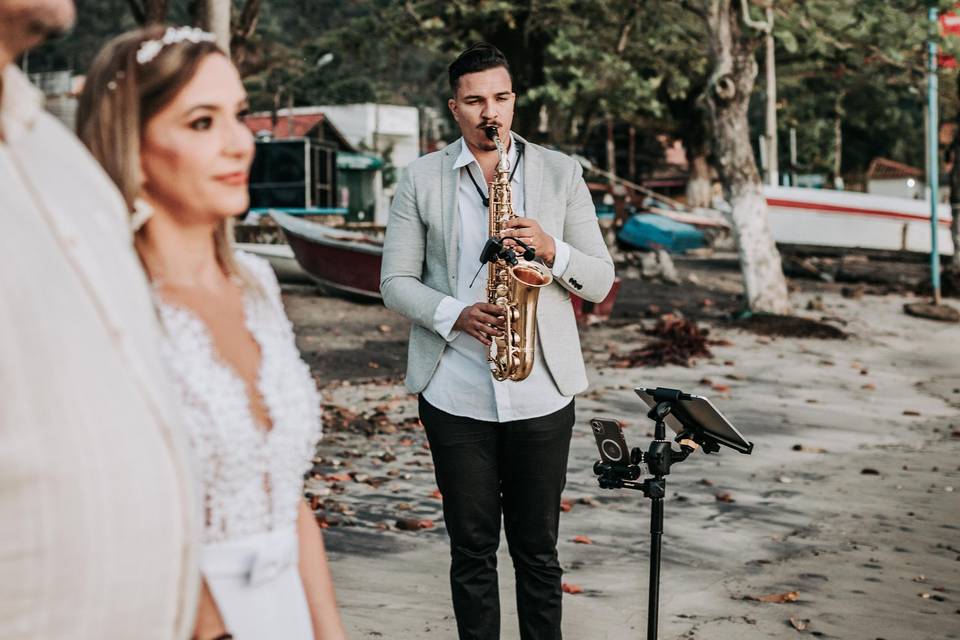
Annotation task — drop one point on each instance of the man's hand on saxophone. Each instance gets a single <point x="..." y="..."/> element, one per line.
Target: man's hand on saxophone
<point x="481" y="320"/>
<point x="529" y="231"/>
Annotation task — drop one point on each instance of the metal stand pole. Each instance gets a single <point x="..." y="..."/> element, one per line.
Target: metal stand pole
<point x="659" y="457"/>
<point x="614" y="473"/>
<point x="933" y="159"/>
<point x="656" y="534"/>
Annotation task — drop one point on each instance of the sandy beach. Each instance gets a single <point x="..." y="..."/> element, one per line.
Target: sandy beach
<point x="848" y="509"/>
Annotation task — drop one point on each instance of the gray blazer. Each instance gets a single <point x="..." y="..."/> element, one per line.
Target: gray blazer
<point x="420" y="261"/>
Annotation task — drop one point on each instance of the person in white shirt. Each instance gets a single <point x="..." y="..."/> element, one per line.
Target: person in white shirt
<point x="498" y="447"/>
<point x="163" y="110"/>
<point x="99" y="523"/>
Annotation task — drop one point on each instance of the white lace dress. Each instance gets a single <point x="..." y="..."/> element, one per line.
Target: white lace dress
<point x="252" y="478"/>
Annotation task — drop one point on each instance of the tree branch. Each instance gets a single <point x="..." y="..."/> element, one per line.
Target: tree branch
<point x="698" y="11"/>
<point x="625" y="30"/>
<point x="879" y="54"/>
<point x="759" y="25"/>
<point x="411" y="11"/>
<point x="139" y="13"/>
<point x="147" y="12"/>
<point x="247" y="22"/>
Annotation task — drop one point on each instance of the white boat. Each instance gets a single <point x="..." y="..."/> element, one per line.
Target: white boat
<point x="858" y="220"/>
<point x="281" y="258"/>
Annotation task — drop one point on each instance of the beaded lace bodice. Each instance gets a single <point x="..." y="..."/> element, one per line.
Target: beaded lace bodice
<point x="252" y="477"/>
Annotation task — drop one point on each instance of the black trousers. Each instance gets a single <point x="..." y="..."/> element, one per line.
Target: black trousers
<point x="518" y="469"/>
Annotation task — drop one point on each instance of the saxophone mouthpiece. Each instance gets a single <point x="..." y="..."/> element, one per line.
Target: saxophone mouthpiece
<point x="491" y="132"/>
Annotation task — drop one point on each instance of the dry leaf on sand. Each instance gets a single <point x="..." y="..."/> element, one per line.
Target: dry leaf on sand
<point x="798" y="624"/>
<point x="789" y="596"/>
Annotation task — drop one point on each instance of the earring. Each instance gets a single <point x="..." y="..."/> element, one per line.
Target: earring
<point x="142" y="211"/>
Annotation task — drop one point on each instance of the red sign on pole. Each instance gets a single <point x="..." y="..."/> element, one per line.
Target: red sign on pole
<point x="949" y="26"/>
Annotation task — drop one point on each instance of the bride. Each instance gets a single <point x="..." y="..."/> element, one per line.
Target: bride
<point x="163" y="111"/>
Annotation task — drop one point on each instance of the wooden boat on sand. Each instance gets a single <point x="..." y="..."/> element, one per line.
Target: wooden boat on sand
<point x="338" y="260"/>
<point x="348" y="262"/>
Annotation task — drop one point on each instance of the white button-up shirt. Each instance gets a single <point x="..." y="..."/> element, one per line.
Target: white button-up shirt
<point x="98" y="517"/>
<point x="462" y="384"/>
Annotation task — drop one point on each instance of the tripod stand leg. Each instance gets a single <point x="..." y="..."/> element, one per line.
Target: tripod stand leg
<point x="656" y="533"/>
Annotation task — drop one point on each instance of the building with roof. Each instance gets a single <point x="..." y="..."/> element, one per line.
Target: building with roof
<point x="294" y="148"/>
<point x="388" y="130"/>
<point x="891" y="178"/>
<point x="298" y="122"/>
<point x="61" y="90"/>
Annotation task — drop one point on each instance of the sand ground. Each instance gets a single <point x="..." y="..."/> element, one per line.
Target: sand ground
<point x="862" y="519"/>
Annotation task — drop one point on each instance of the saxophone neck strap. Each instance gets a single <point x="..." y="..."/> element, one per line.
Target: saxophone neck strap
<point x="485" y="199"/>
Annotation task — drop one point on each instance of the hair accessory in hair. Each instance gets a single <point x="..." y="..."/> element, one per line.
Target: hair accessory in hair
<point x="142" y="211"/>
<point x="150" y="48"/>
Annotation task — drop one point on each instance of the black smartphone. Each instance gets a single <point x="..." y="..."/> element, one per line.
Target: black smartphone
<point x="610" y="442"/>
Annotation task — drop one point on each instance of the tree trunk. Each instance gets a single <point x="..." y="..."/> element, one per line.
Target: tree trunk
<point x="247" y="54"/>
<point x="770" y="64"/>
<point x="728" y="96"/>
<point x="955" y="199"/>
<point x="699" y="191"/>
<point x="838" y="141"/>
<point x="215" y="18"/>
<point x="156" y="11"/>
<point x="147" y="12"/>
<point x="955" y="194"/>
<point x="611" y="147"/>
<point x="696" y="136"/>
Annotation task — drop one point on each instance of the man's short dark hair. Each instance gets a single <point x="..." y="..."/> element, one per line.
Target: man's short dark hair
<point x="479" y="57"/>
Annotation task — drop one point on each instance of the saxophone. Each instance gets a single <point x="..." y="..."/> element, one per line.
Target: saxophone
<point x="513" y="283"/>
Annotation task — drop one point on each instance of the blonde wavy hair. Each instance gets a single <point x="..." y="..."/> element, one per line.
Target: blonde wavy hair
<point x="119" y="98"/>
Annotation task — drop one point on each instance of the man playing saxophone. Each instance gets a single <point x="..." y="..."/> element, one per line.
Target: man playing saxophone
<point x="499" y="443"/>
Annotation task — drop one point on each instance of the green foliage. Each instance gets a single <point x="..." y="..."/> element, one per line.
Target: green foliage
<point x="856" y="62"/>
<point x="97" y="21"/>
<point x="596" y="66"/>
<point x="374" y="58"/>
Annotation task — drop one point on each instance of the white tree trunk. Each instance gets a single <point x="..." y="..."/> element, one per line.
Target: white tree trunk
<point x="216" y="20"/>
<point x="773" y="155"/>
<point x="766" y="288"/>
<point x="728" y="96"/>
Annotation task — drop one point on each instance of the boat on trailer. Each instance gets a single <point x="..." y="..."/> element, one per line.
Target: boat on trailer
<point x="348" y="262"/>
<point x="338" y="260"/>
